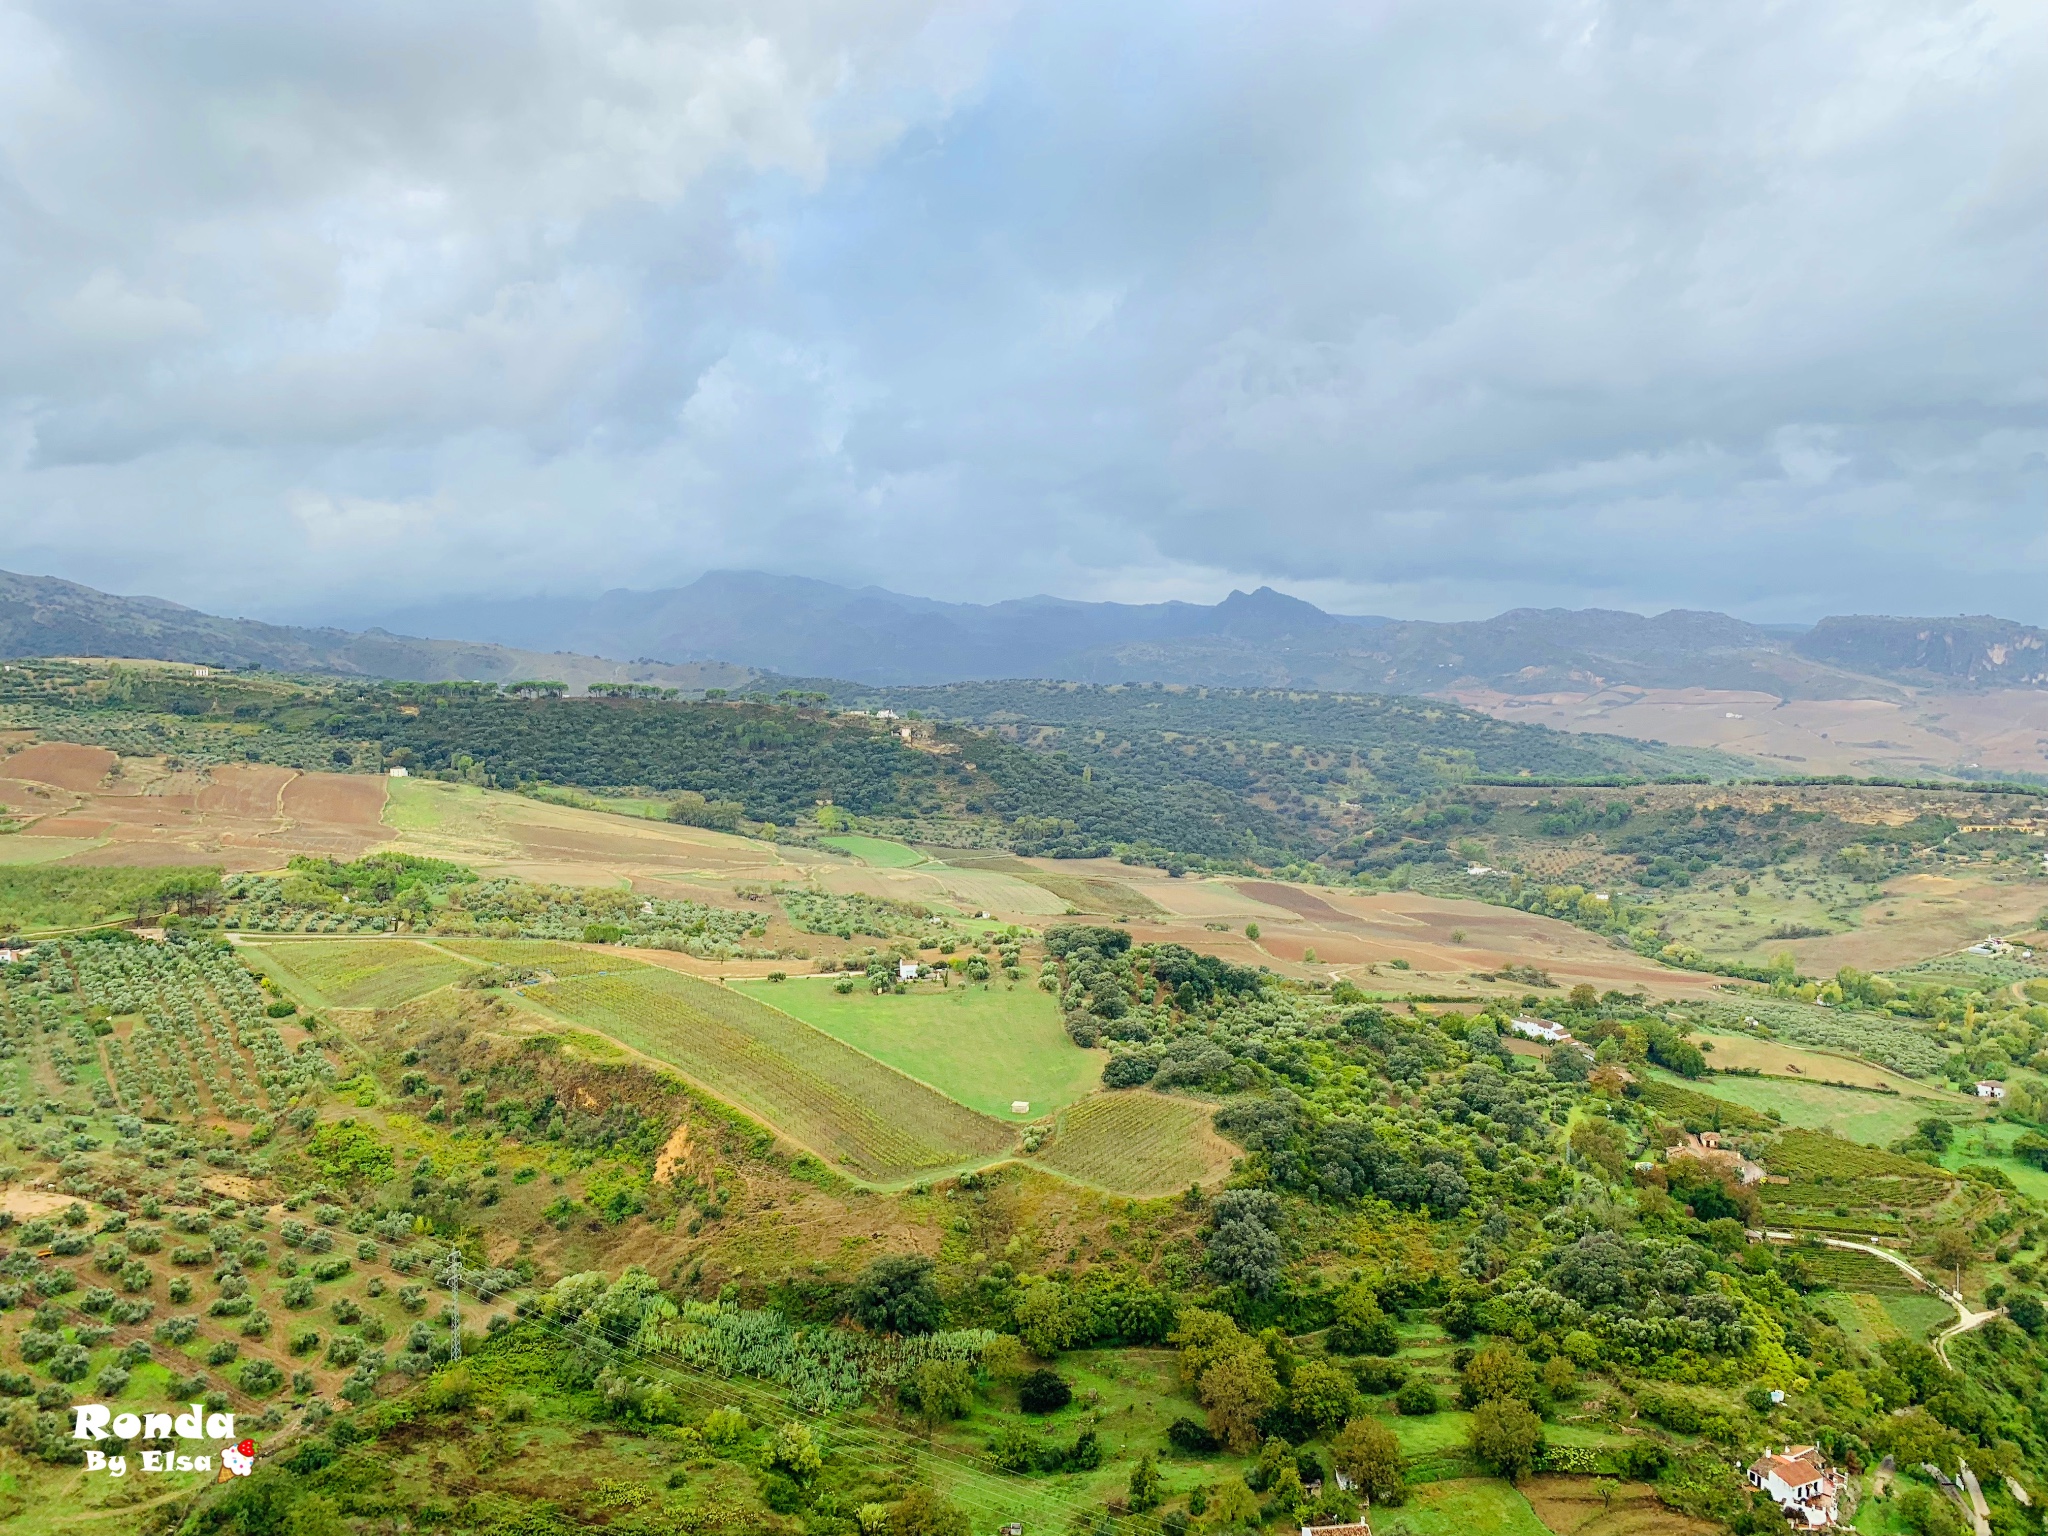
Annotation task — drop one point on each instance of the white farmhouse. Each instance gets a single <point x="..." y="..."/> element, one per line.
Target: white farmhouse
<point x="906" y="970"/>
<point x="1991" y="1090"/>
<point x="1801" y="1483"/>
<point x="1541" y="1029"/>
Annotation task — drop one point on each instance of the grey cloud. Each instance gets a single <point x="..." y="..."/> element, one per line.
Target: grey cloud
<point x="1412" y="308"/>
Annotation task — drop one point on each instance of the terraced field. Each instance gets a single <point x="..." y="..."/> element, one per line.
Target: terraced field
<point x="1139" y="1142"/>
<point x="348" y="973"/>
<point x="861" y="1116"/>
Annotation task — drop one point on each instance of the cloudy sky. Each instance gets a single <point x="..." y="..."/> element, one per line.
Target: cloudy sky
<point x="1414" y="308"/>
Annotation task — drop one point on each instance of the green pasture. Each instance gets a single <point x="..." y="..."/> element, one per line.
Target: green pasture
<point x="843" y="1104"/>
<point x="984" y="1045"/>
<point x="1916" y="1314"/>
<point x="18" y="848"/>
<point x="425" y="805"/>
<point x="557" y="959"/>
<point x="880" y="852"/>
<point x="348" y="973"/>
<point x="1868" y="1117"/>
<point x="1990" y="1143"/>
<point x="1460" y="1507"/>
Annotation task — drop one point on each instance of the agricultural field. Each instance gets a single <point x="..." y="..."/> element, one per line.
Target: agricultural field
<point x="353" y="973"/>
<point x="1461" y="1507"/>
<point x="880" y="852"/>
<point x="1989" y="1144"/>
<point x="305" y="1143"/>
<point x="1140" y="1143"/>
<point x="554" y="960"/>
<point x="1771" y="1058"/>
<point x="857" y="1114"/>
<point x="1857" y="1115"/>
<point x="1576" y="1506"/>
<point x="988" y="1044"/>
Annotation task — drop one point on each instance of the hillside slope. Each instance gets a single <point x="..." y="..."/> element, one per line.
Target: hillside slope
<point x="43" y="616"/>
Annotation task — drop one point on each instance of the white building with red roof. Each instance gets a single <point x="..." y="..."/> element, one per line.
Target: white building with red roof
<point x="1801" y="1483"/>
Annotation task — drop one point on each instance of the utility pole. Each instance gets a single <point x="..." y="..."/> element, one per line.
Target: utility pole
<point x="455" y="1304"/>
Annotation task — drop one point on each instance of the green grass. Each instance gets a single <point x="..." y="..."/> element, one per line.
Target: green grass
<point x="418" y="805"/>
<point x="17" y="852"/>
<point x="38" y="896"/>
<point x="1868" y="1117"/>
<point x="1431" y="1433"/>
<point x="1137" y="1394"/>
<point x="1460" y="1507"/>
<point x="1138" y="1142"/>
<point x="986" y="1046"/>
<point x="558" y="960"/>
<point x="1991" y="1144"/>
<point x="850" y="1109"/>
<point x="355" y="974"/>
<point x="877" y="851"/>
<point x="1917" y="1314"/>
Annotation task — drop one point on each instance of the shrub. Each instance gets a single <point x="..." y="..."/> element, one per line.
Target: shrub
<point x="70" y="1364"/>
<point x="1361" y="1328"/>
<point x="1191" y="1438"/>
<point x="260" y="1376"/>
<point x="1043" y="1392"/>
<point x="896" y="1294"/>
<point x="1417" y="1399"/>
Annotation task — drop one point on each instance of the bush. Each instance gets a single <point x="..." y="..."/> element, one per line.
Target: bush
<point x="1417" y="1399"/>
<point x="1128" y="1069"/>
<point x="260" y="1376"/>
<point x="1361" y="1328"/>
<point x="1378" y="1375"/>
<point x="1043" y="1392"/>
<point x="70" y="1364"/>
<point x="896" y="1294"/>
<point x="1191" y="1438"/>
<point x="1642" y="1460"/>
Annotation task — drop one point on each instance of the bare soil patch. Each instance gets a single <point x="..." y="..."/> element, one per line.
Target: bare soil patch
<point x="246" y="790"/>
<point x="62" y="764"/>
<point x="351" y="802"/>
<point x="1572" y="1506"/>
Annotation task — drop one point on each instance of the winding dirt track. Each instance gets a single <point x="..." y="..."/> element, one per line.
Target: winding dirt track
<point x="1966" y="1319"/>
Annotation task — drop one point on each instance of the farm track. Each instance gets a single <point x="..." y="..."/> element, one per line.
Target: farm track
<point x="1966" y="1317"/>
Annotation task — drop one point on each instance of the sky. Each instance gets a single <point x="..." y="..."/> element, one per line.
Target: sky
<point x="312" y="311"/>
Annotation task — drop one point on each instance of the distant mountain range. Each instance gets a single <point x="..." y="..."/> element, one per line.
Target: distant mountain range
<point x="42" y="616"/>
<point x="730" y="628"/>
<point x="804" y="628"/>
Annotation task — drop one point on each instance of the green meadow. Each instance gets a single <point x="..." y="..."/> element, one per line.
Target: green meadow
<point x="985" y="1045"/>
<point x="880" y="852"/>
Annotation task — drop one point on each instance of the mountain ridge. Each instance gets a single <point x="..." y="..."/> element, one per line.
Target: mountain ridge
<point x="732" y="628"/>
